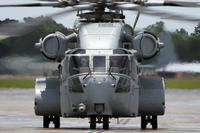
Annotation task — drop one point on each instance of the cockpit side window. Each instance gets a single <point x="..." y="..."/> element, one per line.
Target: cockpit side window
<point x="99" y="63"/>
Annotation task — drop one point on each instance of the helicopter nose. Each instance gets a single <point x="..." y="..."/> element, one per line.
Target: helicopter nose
<point x="100" y="91"/>
<point x="99" y="108"/>
<point x="82" y="107"/>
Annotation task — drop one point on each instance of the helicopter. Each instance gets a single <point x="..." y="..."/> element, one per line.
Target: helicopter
<point x="101" y="78"/>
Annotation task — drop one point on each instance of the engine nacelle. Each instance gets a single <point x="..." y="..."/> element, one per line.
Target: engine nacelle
<point x="47" y="97"/>
<point x="147" y="45"/>
<point x="53" y="45"/>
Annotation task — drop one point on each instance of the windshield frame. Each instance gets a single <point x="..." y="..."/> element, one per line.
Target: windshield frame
<point x="107" y="62"/>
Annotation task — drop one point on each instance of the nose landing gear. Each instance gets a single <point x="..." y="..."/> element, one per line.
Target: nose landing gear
<point x="48" y="119"/>
<point x="105" y="122"/>
<point x="149" y="119"/>
<point x="93" y="122"/>
<point x="102" y="119"/>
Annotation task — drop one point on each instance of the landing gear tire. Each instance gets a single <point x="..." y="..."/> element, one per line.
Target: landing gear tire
<point x="46" y="121"/>
<point x="143" y="122"/>
<point x="56" y="122"/>
<point x="154" y="122"/>
<point x="106" y="123"/>
<point x="93" y="122"/>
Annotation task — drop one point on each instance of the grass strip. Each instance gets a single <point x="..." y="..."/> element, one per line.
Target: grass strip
<point x="180" y="83"/>
<point x="183" y="83"/>
<point x="17" y="83"/>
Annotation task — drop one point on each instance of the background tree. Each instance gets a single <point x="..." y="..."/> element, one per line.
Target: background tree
<point x="156" y="28"/>
<point x="24" y="45"/>
<point x="187" y="45"/>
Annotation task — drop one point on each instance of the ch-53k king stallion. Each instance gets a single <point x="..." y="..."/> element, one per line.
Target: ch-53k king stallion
<point x="101" y="78"/>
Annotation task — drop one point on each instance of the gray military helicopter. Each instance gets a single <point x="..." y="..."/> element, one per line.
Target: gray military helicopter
<point x="101" y="78"/>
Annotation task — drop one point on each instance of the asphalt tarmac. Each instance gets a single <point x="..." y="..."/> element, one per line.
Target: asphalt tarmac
<point x="17" y="115"/>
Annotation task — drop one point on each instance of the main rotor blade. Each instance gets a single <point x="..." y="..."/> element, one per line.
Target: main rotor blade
<point x="127" y="6"/>
<point x="49" y="0"/>
<point x="2" y="37"/>
<point x="154" y="12"/>
<point x="51" y="4"/>
<point x="171" y="3"/>
<point x="167" y="15"/>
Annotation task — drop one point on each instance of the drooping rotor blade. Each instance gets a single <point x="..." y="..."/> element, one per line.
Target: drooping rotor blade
<point x="2" y="37"/>
<point x="48" y="0"/>
<point x="17" y="29"/>
<point x="171" y="3"/>
<point x="167" y="15"/>
<point x="50" y="4"/>
<point x="127" y="6"/>
<point x="154" y="12"/>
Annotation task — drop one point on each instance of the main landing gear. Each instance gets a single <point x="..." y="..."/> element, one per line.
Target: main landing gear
<point x="48" y="119"/>
<point x="153" y="120"/>
<point x="103" y="119"/>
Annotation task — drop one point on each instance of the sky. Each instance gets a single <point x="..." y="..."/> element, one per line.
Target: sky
<point x="68" y="20"/>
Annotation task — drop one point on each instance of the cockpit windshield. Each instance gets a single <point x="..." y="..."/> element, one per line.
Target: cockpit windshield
<point x="99" y="64"/>
<point x="78" y="64"/>
<point x="119" y="64"/>
<point x="103" y="64"/>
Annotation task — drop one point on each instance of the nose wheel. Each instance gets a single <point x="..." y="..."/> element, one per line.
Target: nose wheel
<point x="48" y="119"/>
<point x="153" y="120"/>
<point x="105" y="122"/>
<point x="94" y="120"/>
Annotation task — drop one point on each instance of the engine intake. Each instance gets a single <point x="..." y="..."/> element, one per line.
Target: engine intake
<point x="54" y="45"/>
<point x="147" y="45"/>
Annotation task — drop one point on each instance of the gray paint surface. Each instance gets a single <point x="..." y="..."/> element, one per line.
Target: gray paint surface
<point x="100" y="35"/>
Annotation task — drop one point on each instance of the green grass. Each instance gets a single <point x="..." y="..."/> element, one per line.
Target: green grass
<point x="17" y="83"/>
<point x="183" y="83"/>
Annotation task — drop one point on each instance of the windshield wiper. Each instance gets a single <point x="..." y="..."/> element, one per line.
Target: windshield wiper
<point x="89" y="73"/>
<point x="110" y="73"/>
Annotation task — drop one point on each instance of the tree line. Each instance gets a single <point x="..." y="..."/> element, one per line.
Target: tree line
<point x="24" y="44"/>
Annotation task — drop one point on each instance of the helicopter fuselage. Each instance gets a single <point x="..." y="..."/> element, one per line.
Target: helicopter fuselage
<point x="101" y="78"/>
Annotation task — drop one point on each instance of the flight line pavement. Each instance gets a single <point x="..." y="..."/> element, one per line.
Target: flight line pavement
<point x="17" y="115"/>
